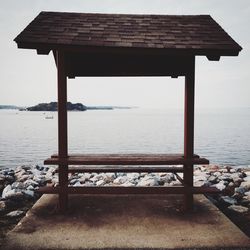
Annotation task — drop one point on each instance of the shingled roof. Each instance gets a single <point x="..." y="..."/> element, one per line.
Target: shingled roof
<point x="195" y="34"/>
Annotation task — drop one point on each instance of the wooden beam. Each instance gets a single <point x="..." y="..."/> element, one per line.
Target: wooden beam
<point x="124" y="156"/>
<point x="124" y="169"/>
<point x="132" y="190"/>
<point x="120" y="159"/>
<point x="62" y="130"/>
<point x="43" y="51"/>
<point x="189" y="131"/>
<point x="213" y="57"/>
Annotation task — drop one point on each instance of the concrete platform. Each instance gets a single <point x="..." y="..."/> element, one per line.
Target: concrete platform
<point x="125" y="222"/>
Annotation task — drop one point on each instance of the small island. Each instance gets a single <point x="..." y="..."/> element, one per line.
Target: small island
<point x="52" y="106"/>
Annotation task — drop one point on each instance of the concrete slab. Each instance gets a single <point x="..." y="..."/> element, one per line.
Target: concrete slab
<point x="125" y="222"/>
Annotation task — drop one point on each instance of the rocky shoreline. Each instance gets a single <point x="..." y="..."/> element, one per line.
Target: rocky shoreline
<point x="18" y="188"/>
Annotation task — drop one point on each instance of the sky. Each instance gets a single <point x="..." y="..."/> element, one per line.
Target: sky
<point x="27" y="79"/>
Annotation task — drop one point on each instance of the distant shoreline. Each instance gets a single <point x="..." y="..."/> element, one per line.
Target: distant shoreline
<point x="52" y="107"/>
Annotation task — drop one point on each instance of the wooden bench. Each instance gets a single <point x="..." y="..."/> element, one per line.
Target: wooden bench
<point x="128" y="163"/>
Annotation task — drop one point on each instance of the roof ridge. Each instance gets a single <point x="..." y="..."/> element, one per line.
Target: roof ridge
<point x="126" y="14"/>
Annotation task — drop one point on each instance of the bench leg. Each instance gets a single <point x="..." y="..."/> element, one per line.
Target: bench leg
<point x="188" y="182"/>
<point x="63" y="184"/>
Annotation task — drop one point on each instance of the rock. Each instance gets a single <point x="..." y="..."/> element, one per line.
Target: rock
<point x="133" y="176"/>
<point x="213" y="179"/>
<point x="245" y="201"/>
<point x="109" y="177"/>
<point x="247" y="177"/>
<point x="220" y="186"/>
<point x="245" y="185"/>
<point x="82" y="179"/>
<point x="19" y="174"/>
<point x="128" y="184"/>
<point x="9" y="178"/>
<point x="120" y="180"/>
<point x="14" y="194"/>
<point x="237" y="196"/>
<point x="96" y="178"/>
<point x="217" y="174"/>
<point x="237" y="180"/>
<point x="226" y="177"/>
<point x="213" y="168"/>
<point x="165" y="179"/>
<point x="2" y="180"/>
<point x="238" y="208"/>
<point x="24" y="177"/>
<point x="148" y="181"/>
<point x="247" y="194"/>
<point x="78" y="184"/>
<point x="1" y="188"/>
<point x="73" y="181"/>
<point x="238" y="175"/>
<point x="26" y="167"/>
<point x="30" y="187"/>
<point x="6" y="190"/>
<point x="88" y="184"/>
<point x="17" y="185"/>
<point x="3" y="206"/>
<point x="88" y="176"/>
<point x="16" y="213"/>
<point x="231" y="184"/>
<point x="31" y="182"/>
<point x="202" y="183"/>
<point x="29" y="193"/>
<point x="228" y="200"/>
<point x="240" y="190"/>
<point x="100" y="183"/>
<point x="40" y="179"/>
<point x="40" y="168"/>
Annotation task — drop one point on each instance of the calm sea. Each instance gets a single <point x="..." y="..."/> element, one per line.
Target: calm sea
<point x="223" y="136"/>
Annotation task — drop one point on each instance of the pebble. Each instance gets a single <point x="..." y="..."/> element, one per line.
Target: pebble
<point x="120" y="180"/>
<point x="6" y="190"/>
<point x="245" y="184"/>
<point x="29" y="193"/>
<point x="229" y="200"/>
<point x="238" y="208"/>
<point x="3" y="206"/>
<point x="221" y="186"/>
<point x="148" y="181"/>
<point x="15" y="213"/>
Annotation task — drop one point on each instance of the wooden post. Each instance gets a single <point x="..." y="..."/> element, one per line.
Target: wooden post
<point x="189" y="131"/>
<point x="62" y="130"/>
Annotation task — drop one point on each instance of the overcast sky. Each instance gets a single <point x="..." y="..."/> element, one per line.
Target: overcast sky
<point x="28" y="79"/>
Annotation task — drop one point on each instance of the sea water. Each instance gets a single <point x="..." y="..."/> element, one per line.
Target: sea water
<point x="221" y="135"/>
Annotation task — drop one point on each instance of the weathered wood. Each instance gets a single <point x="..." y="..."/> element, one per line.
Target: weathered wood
<point x="189" y="131"/>
<point x="124" y="155"/>
<point x="124" y="169"/>
<point x="131" y="64"/>
<point x="62" y="131"/>
<point x="132" y="190"/>
<point x="119" y="159"/>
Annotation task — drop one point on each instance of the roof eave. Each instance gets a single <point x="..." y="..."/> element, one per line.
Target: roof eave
<point x="210" y="53"/>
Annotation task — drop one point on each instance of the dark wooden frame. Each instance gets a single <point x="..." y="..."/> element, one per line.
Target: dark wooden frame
<point x="77" y="57"/>
<point x="71" y="64"/>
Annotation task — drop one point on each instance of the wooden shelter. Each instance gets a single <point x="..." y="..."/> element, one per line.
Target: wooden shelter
<point x="126" y="45"/>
